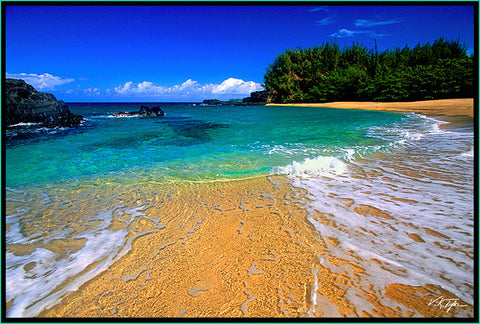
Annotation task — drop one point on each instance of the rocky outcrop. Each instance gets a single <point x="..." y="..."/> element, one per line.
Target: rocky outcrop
<point x="258" y="98"/>
<point x="231" y="102"/>
<point x="144" y="111"/>
<point x="24" y="104"/>
<point x="214" y="102"/>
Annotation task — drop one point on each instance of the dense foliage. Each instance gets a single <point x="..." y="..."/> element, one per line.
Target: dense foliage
<point x="327" y="73"/>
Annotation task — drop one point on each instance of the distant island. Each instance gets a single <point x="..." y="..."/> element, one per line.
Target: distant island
<point x="256" y="98"/>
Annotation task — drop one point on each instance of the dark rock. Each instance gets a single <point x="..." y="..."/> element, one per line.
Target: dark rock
<point x="216" y="102"/>
<point x="25" y="104"/>
<point x="258" y="98"/>
<point x="145" y="111"/>
<point x="154" y="111"/>
<point x="213" y="102"/>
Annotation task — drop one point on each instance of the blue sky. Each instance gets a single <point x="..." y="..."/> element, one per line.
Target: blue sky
<point x="191" y="53"/>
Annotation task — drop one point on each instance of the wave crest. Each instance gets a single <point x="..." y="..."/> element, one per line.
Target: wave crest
<point x="320" y="165"/>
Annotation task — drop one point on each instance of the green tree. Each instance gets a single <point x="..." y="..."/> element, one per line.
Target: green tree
<point x="327" y="73"/>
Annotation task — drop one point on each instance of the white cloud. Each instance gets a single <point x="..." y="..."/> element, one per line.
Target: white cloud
<point x="350" y="33"/>
<point x="186" y="88"/>
<point x="322" y="8"/>
<point x="369" y="23"/>
<point x="325" y="21"/>
<point x="92" y="91"/>
<point x="41" y="82"/>
<point x="189" y="88"/>
<point x="189" y="84"/>
<point x="235" y="86"/>
<point x="125" y="88"/>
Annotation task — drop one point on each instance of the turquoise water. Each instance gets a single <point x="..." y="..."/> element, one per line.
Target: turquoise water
<point x="68" y="185"/>
<point x="190" y="143"/>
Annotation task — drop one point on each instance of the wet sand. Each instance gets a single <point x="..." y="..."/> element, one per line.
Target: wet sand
<point x="234" y="249"/>
<point x="227" y="249"/>
<point x="442" y="107"/>
<point x="244" y="249"/>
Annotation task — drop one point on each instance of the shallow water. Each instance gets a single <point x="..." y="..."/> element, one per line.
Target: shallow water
<point x="405" y="216"/>
<point x="396" y="189"/>
<point x="191" y="143"/>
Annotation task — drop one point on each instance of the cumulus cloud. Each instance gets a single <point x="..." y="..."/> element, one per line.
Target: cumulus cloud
<point x="41" y="82"/>
<point x="145" y="88"/>
<point x="369" y="23"/>
<point x="189" y="88"/>
<point x="235" y="86"/>
<point x="125" y="88"/>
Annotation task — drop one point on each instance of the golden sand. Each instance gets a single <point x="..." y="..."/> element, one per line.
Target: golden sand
<point x="226" y="250"/>
<point x="232" y="249"/>
<point x="442" y="107"/>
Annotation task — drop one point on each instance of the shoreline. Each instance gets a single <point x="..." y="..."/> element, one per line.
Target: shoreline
<point x="243" y="248"/>
<point x="212" y="254"/>
<point x="236" y="250"/>
<point x="431" y="108"/>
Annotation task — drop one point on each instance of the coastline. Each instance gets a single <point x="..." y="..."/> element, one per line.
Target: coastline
<point x="431" y="108"/>
<point x="223" y="249"/>
<point x="250" y="248"/>
<point x="236" y="249"/>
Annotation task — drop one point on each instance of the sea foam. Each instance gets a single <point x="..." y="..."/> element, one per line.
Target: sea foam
<point x="32" y="290"/>
<point x="409" y="207"/>
<point x="22" y="124"/>
<point x="320" y="165"/>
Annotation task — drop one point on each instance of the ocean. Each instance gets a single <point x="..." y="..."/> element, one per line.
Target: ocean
<point x="391" y="194"/>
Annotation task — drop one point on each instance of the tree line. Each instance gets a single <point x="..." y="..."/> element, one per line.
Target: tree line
<point x="327" y="73"/>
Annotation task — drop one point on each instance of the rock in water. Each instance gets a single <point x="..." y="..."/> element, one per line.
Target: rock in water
<point x="144" y="111"/>
<point x="25" y="104"/>
<point x="154" y="111"/>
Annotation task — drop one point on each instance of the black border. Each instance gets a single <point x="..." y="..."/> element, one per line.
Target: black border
<point x="475" y="5"/>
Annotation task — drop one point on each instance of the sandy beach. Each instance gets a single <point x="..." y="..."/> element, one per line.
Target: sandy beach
<point x="258" y="247"/>
<point x="234" y="249"/>
<point x="241" y="249"/>
<point x="442" y="107"/>
<point x="227" y="249"/>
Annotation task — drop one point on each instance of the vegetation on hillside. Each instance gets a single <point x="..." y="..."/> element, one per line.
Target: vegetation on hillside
<point x="327" y="73"/>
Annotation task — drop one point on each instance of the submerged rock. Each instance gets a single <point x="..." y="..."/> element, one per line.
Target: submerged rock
<point x="24" y="104"/>
<point x="155" y="111"/>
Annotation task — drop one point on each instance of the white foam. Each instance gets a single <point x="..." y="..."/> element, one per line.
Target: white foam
<point x="123" y="116"/>
<point x="408" y="131"/>
<point x="349" y="154"/>
<point x="289" y="150"/>
<point x="321" y="165"/>
<point x="31" y="291"/>
<point x="467" y="155"/>
<point x="98" y="117"/>
<point x="419" y="185"/>
<point x="23" y="124"/>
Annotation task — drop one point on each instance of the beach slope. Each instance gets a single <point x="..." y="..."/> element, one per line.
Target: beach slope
<point x="441" y="107"/>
